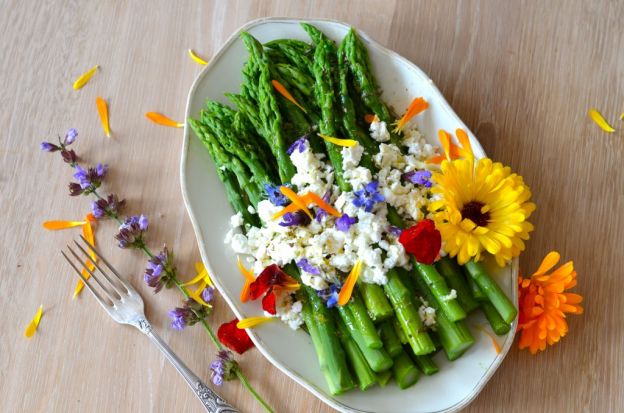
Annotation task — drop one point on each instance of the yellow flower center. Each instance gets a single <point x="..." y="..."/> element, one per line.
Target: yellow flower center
<point x="473" y="210"/>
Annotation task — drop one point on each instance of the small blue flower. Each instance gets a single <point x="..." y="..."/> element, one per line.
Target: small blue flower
<point x="70" y="136"/>
<point x="298" y="218"/>
<point x="330" y="295"/>
<point x="300" y="145"/>
<point x="275" y="195"/>
<point x="307" y="267"/>
<point x="422" y="178"/>
<point x="344" y="223"/>
<point x="92" y="177"/>
<point x="368" y="196"/>
<point x="143" y="222"/>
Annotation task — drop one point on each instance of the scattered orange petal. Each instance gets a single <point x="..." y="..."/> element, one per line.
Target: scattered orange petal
<point x="600" y="120"/>
<point x="196" y="58"/>
<point x="160" y="119"/>
<point x="417" y="106"/>
<point x="347" y="288"/>
<point x="445" y="141"/>
<point x="464" y="141"/>
<point x="249" y="278"/>
<point x="370" y="118"/>
<point x="282" y="91"/>
<point x="57" y="225"/>
<point x="85" y="77"/>
<point x="295" y="199"/>
<point x="251" y="322"/>
<point x="103" y="112"/>
<point x="337" y="141"/>
<point x="87" y="233"/>
<point x="497" y="346"/>
<point x="31" y="328"/>
<point x="320" y="202"/>
<point x="289" y="208"/>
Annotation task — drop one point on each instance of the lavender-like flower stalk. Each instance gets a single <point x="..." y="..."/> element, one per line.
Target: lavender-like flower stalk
<point x="131" y="232"/>
<point x="110" y="206"/>
<point x="223" y="367"/>
<point x="298" y="145"/>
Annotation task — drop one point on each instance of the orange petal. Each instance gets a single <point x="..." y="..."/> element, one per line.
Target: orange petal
<point x="282" y="90"/>
<point x="85" y="77"/>
<point x="339" y="142"/>
<point x="103" y="112"/>
<point x="370" y="118"/>
<point x="463" y="139"/>
<point x="31" y="328"/>
<point x="417" y="106"/>
<point x="251" y="322"/>
<point x="290" y="194"/>
<point x="249" y="278"/>
<point x="290" y="208"/>
<point x="600" y="120"/>
<point x="196" y="58"/>
<point x="56" y="225"/>
<point x="550" y="260"/>
<point x="445" y="141"/>
<point x="347" y="288"/>
<point x="161" y="119"/>
<point x="312" y="197"/>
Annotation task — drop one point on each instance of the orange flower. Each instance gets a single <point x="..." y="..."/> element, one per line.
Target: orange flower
<point x="544" y="304"/>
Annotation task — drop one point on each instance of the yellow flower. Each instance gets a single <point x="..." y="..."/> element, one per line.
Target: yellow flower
<point x="544" y="304"/>
<point x="482" y="206"/>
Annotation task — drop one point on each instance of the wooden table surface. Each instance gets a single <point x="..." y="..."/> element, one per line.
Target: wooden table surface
<point x="521" y="74"/>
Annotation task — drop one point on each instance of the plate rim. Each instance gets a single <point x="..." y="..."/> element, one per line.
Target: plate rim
<point x="202" y="247"/>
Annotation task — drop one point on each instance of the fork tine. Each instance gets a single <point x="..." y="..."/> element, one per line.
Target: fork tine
<point x="95" y="264"/>
<point x="110" y="296"/>
<point x="105" y="261"/>
<point x="97" y="296"/>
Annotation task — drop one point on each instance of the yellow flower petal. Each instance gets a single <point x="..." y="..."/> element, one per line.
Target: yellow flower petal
<point x="56" y="225"/>
<point x="622" y="116"/>
<point x="600" y="120"/>
<point x="199" y="267"/>
<point x="199" y="277"/>
<point x="251" y="322"/>
<point x="87" y="233"/>
<point x="160" y="119"/>
<point x="347" y="288"/>
<point x="196" y="58"/>
<point x="85" y="77"/>
<point x="196" y="295"/>
<point x="339" y="142"/>
<point x="103" y="112"/>
<point x="31" y="329"/>
<point x="282" y="91"/>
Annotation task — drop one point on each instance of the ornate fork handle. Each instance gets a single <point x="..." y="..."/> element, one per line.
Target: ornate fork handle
<point x="211" y="400"/>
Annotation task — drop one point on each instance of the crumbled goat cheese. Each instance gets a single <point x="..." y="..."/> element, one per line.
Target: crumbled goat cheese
<point x="427" y="314"/>
<point x="251" y="209"/>
<point x="236" y="220"/>
<point x="239" y="244"/>
<point x="289" y="310"/>
<point x="379" y="131"/>
<point x="450" y="296"/>
<point x="351" y="156"/>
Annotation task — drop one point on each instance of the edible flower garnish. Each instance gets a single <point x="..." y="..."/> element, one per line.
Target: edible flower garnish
<point x="103" y="112"/>
<point x="297" y="218"/>
<point x="160" y="119"/>
<point x="600" y="120"/>
<point x="347" y="288"/>
<point x="196" y="58"/>
<point x="296" y="199"/>
<point x="544" y="304"/>
<point x="311" y="197"/>
<point x="368" y="196"/>
<point x="202" y="274"/>
<point x="307" y="199"/>
<point x="190" y="313"/>
<point x="282" y="91"/>
<point x="339" y="142"/>
<point x="453" y="151"/>
<point x="298" y="145"/>
<point x="233" y="337"/>
<point x="307" y="267"/>
<point x="251" y="322"/>
<point x="156" y="274"/>
<point x="344" y="223"/>
<point x="417" y="106"/>
<point x="85" y="77"/>
<point x="224" y="367"/>
<point x="245" y="293"/>
<point x="330" y="295"/>
<point x="110" y="206"/>
<point x="87" y="233"/>
<point x="422" y="240"/>
<point x="271" y="277"/>
<point x="275" y="195"/>
<point x="57" y="225"/>
<point x="131" y="232"/>
<point x="370" y="118"/>
<point x="321" y="213"/>
<point x="31" y="328"/>
<point x="422" y="178"/>
<point x="483" y="206"/>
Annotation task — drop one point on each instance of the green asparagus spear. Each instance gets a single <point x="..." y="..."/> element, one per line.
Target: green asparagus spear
<point x="453" y="274"/>
<point x="298" y="53"/>
<point x="366" y="377"/>
<point x="404" y="371"/>
<point x="384" y="377"/>
<point x="363" y="322"/>
<point x="377" y="304"/>
<point x="426" y="365"/>
<point x="499" y="326"/>
<point x="399" y="331"/>
<point x="492" y="291"/>
<point x="440" y="291"/>
<point x="391" y="341"/>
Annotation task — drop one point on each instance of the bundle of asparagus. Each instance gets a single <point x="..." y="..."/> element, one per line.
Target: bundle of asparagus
<point x="378" y="334"/>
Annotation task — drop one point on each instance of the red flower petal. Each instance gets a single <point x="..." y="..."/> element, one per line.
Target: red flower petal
<point x="422" y="240"/>
<point x="234" y="338"/>
<point x="268" y="303"/>
<point x="269" y="277"/>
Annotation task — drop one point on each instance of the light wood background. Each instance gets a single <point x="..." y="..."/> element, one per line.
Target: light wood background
<point x="521" y="74"/>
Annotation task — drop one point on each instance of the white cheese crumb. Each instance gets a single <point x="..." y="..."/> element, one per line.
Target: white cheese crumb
<point x="379" y="131"/>
<point x="289" y="311"/>
<point x="251" y="209"/>
<point x="351" y="156"/>
<point x="427" y="314"/>
<point x="236" y="220"/>
<point x="450" y="296"/>
<point x="239" y="244"/>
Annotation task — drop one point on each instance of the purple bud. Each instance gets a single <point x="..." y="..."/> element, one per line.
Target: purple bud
<point x="70" y="136"/>
<point x="208" y="294"/>
<point x="422" y="178"/>
<point x="75" y="189"/>
<point x="69" y="156"/>
<point x="307" y="267"/>
<point x="295" y="218"/>
<point x="100" y="170"/>
<point x="300" y="145"/>
<point x="48" y="147"/>
<point x="344" y="223"/>
<point x="143" y="222"/>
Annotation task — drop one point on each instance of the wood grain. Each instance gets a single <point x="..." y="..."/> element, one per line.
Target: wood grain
<point x="521" y="74"/>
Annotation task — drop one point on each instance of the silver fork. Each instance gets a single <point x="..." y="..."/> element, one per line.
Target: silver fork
<point x="125" y="306"/>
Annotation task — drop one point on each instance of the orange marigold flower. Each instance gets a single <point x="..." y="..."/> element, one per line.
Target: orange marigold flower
<point x="544" y="304"/>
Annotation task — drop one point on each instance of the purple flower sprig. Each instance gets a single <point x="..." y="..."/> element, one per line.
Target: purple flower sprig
<point x="160" y="270"/>
<point x="224" y="367"/>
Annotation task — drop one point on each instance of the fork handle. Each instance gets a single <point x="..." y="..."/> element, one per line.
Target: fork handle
<point x="212" y="401"/>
